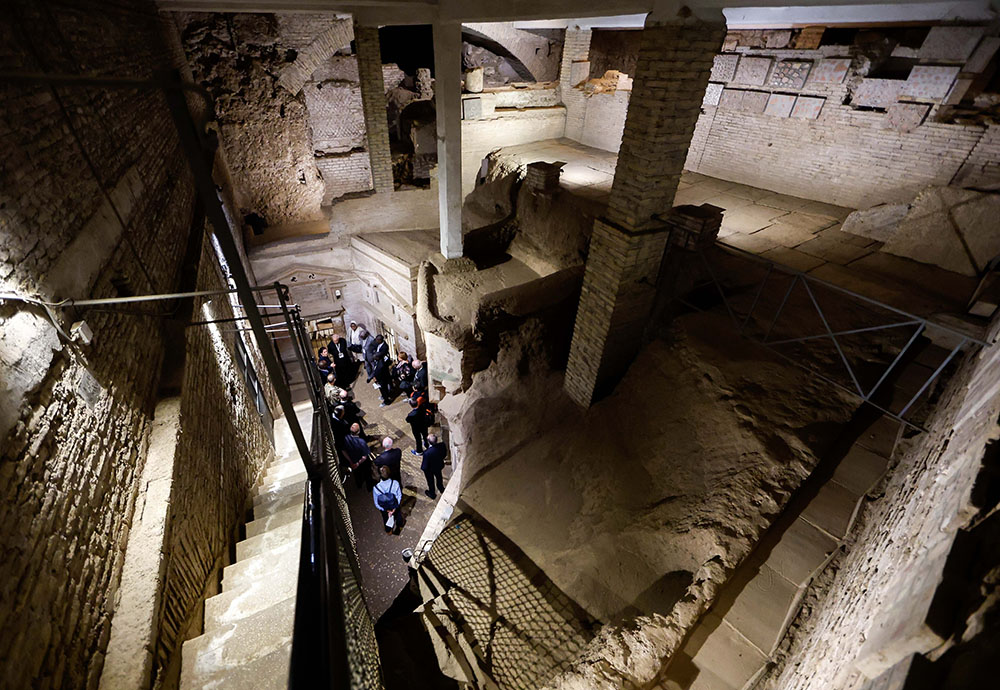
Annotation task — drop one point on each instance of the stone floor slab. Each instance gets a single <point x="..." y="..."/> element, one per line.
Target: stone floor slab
<point x="800" y="551"/>
<point x="831" y="509"/>
<point x="760" y="610"/>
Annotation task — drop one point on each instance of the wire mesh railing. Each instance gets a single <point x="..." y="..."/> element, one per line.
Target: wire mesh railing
<point x="505" y="622"/>
<point x="848" y="339"/>
<point x="333" y="643"/>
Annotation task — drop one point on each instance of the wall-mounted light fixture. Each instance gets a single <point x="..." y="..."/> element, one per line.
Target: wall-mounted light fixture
<point x="336" y="293"/>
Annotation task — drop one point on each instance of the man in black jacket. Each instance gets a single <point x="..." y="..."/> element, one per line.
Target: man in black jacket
<point x="343" y="363"/>
<point x="419" y="376"/>
<point x="433" y="464"/>
<point x="390" y="457"/>
<point x="359" y="458"/>
<point x="419" y="420"/>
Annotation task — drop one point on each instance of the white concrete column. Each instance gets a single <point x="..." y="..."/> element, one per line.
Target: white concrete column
<point x="448" y="103"/>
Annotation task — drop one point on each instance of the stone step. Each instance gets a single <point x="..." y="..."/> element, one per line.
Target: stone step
<point x="293" y="489"/>
<point x="267" y="522"/>
<point x="279" y="504"/>
<point x="273" y="563"/>
<point x="232" y="646"/>
<point x="269" y="672"/>
<point x="237" y="604"/>
<point x="277" y="485"/>
<point x="285" y="469"/>
<point x="268" y="540"/>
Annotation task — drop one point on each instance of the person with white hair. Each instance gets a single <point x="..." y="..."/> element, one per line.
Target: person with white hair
<point x="432" y="465"/>
<point x="390" y="457"/>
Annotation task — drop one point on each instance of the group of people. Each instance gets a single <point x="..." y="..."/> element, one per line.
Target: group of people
<point x="381" y="474"/>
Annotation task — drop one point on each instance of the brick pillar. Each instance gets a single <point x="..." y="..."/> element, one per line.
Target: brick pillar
<point x="626" y="249"/>
<point x="373" y="102"/>
<point x="576" y="51"/>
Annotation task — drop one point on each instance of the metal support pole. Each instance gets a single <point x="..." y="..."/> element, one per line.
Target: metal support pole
<point x="200" y="161"/>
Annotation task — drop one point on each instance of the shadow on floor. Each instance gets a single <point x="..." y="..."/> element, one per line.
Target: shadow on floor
<point x="407" y="655"/>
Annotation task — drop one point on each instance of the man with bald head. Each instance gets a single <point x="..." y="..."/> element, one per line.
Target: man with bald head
<point x="359" y="458"/>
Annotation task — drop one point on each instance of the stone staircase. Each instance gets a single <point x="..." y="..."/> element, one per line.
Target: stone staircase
<point x="730" y="650"/>
<point x="247" y="638"/>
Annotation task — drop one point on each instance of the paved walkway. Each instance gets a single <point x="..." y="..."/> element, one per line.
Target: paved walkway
<point x="383" y="571"/>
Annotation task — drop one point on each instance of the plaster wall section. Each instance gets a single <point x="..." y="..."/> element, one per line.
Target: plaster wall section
<point x="506" y="128"/>
<point x="74" y="419"/>
<point x="877" y="612"/>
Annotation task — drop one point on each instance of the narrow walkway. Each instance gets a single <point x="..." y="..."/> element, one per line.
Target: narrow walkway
<point x="734" y="642"/>
<point x="247" y="638"/>
<point x="383" y="570"/>
<point x="800" y="233"/>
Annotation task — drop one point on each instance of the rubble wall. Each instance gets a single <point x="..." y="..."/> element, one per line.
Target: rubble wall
<point x="264" y="128"/>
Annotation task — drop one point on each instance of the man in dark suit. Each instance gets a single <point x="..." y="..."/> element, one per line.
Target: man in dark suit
<point x="433" y="464"/>
<point x="419" y="420"/>
<point x="359" y="458"/>
<point x="419" y="376"/>
<point x="343" y="363"/>
<point x="390" y="457"/>
<point x="339" y="427"/>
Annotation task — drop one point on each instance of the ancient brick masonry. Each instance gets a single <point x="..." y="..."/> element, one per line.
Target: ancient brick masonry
<point x="68" y="466"/>
<point x="627" y="246"/>
<point x="373" y="97"/>
<point x="575" y="49"/>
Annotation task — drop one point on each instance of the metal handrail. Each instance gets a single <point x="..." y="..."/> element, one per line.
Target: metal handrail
<point x="801" y="278"/>
<point x="320" y="648"/>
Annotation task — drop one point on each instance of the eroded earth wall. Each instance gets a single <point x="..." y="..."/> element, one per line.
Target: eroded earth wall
<point x="264" y="127"/>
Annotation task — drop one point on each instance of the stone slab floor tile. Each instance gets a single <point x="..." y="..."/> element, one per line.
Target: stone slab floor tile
<point x="725" y="658"/>
<point x="786" y="235"/>
<point x="726" y="201"/>
<point x="860" y="469"/>
<point x="750" y="243"/>
<point x="800" y="551"/>
<point x="833" y="251"/>
<point x="793" y="259"/>
<point x="760" y="609"/>
<point x="807" y="221"/>
<point x="824" y="209"/>
<point x="880" y="437"/>
<point x="752" y="218"/>
<point x="783" y="201"/>
<point x="831" y="509"/>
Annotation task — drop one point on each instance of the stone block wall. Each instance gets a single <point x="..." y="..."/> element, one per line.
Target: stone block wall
<point x="873" y="616"/>
<point x="75" y="417"/>
<point x="221" y="452"/>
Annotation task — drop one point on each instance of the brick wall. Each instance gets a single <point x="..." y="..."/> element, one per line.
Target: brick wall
<point x="627" y="247"/>
<point x="345" y="173"/>
<point x="878" y="598"/>
<point x="982" y="167"/>
<point x="68" y="467"/>
<point x="375" y="119"/>
<point x="333" y="102"/>
<point x="576" y="48"/>
<point x="75" y="419"/>
<point x="846" y="156"/>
